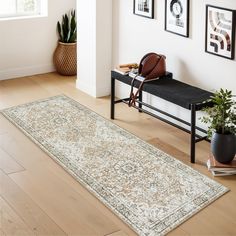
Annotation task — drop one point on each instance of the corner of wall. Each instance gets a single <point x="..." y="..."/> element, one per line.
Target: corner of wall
<point x="84" y="87"/>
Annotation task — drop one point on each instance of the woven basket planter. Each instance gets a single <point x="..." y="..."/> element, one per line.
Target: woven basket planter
<point x="65" y="58"/>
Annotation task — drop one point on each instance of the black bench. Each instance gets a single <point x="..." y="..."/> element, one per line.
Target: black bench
<point x="174" y="91"/>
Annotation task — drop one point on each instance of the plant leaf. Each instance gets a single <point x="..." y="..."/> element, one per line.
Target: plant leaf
<point x="67" y="28"/>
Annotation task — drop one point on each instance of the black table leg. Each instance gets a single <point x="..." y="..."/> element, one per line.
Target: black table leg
<point x="193" y="132"/>
<point x="141" y="100"/>
<point x="112" y="98"/>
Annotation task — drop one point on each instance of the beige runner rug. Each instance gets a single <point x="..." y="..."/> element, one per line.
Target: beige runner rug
<point x="148" y="189"/>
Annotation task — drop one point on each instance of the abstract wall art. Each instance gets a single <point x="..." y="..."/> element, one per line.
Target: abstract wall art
<point x="177" y="17"/>
<point x="144" y="8"/>
<point x="220" y="31"/>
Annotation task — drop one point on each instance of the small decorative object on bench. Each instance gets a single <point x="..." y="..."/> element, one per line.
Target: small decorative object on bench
<point x="222" y="125"/>
<point x="171" y="90"/>
<point x="125" y="69"/>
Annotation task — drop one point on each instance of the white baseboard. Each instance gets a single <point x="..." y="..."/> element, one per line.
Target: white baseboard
<point x="100" y="91"/>
<point x="84" y="87"/>
<point x="25" y="71"/>
<point x="103" y="90"/>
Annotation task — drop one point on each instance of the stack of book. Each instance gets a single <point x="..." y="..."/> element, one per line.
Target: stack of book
<point x="125" y="69"/>
<point x="219" y="169"/>
<point x="134" y="74"/>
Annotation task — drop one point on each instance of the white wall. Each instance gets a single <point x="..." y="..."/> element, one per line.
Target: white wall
<point x="94" y="46"/>
<point x="133" y="36"/>
<point x="104" y="46"/>
<point x="86" y="56"/>
<point x="27" y="45"/>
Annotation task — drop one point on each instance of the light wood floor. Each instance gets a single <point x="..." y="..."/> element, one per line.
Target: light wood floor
<point x="37" y="197"/>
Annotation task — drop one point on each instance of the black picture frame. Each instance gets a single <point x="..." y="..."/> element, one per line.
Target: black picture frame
<point x="140" y="9"/>
<point x="220" y="35"/>
<point x="177" y="17"/>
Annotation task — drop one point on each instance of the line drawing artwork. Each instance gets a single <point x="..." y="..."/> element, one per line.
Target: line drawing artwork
<point x="177" y="17"/>
<point x="221" y="27"/>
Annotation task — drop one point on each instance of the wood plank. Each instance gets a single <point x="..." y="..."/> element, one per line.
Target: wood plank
<point x="66" y="207"/>
<point x="20" y="147"/>
<point x="178" y="232"/>
<point x="205" y="220"/>
<point x="24" y="207"/>
<point x="25" y="91"/>
<point x="2" y="131"/>
<point x="3" y="98"/>
<point x="8" y="164"/>
<point x="2" y="233"/>
<point x="11" y="223"/>
<point x="118" y="233"/>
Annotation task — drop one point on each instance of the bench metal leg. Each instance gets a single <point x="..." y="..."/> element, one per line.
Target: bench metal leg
<point x="193" y="132"/>
<point x="140" y="100"/>
<point x="112" y="98"/>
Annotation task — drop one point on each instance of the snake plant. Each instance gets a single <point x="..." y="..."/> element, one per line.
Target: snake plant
<point x="66" y="30"/>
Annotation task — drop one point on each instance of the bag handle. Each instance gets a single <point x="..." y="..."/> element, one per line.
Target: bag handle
<point x="133" y="96"/>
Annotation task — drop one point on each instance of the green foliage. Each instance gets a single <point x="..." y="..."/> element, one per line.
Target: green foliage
<point x="67" y="32"/>
<point x="222" y="116"/>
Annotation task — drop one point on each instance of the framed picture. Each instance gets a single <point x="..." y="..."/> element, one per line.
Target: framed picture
<point x="177" y="17"/>
<point x="220" y="31"/>
<point x="144" y="8"/>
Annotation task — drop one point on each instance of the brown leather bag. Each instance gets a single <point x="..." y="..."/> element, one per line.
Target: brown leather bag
<point x="152" y="66"/>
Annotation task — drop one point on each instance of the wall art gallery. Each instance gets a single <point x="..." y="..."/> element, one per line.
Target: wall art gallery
<point x="219" y="28"/>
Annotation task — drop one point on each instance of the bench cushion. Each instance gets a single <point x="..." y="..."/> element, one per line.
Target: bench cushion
<point x="172" y="90"/>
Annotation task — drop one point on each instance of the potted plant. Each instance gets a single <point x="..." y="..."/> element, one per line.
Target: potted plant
<point x="222" y="125"/>
<point x="65" y="59"/>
